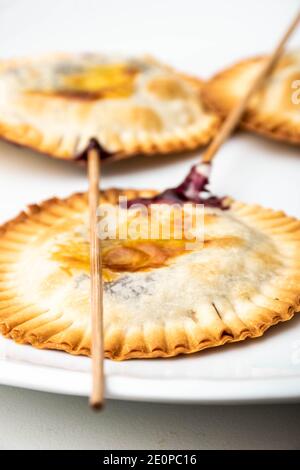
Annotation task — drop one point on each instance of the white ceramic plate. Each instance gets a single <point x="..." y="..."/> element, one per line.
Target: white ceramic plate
<point x="266" y="369"/>
<point x="259" y="371"/>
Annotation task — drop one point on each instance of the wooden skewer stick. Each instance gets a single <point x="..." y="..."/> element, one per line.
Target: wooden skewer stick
<point x="235" y="115"/>
<point x="97" y="348"/>
<point x="96" y="399"/>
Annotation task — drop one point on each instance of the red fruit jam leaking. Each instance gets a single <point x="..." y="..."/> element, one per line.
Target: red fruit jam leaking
<point x="192" y="189"/>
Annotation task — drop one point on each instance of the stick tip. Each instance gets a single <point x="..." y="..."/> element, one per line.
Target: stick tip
<point x="96" y="405"/>
<point x="94" y="144"/>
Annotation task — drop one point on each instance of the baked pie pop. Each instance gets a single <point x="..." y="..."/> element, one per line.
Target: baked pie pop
<point x="274" y="110"/>
<point x="160" y="298"/>
<point x="56" y="104"/>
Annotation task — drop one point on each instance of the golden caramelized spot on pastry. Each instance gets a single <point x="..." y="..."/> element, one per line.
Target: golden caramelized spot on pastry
<point x="274" y="109"/>
<point x="118" y="256"/>
<point x="140" y="250"/>
<point x="167" y="88"/>
<point x="210" y="218"/>
<point x="130" y="255"/>
<point x="69" y="98"/>
<point x="72" y="256"/>
<point x="223" y="242"/>
<point x="160" y="300"/>
<point x="145" y="119"/>
<point x="99" y="82"/>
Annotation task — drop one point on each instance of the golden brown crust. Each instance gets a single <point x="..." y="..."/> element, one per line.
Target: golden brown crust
<point x="131" y="131"/>
<point x="232" y="320"/>
<point x="276" y="120"/>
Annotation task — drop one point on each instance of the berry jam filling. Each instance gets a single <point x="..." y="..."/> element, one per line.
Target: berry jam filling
<point x="192" y="189"/>
<point x="94" y="144"/>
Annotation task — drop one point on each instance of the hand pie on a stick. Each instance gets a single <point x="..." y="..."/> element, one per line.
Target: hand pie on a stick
<point x="160" y="299"/>
<point x="56" y="104"/>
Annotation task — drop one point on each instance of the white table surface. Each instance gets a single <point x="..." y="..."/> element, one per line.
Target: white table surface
<point x="196" y="36"/>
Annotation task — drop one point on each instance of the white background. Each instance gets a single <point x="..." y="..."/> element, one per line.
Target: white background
<point x="199" y="37"/>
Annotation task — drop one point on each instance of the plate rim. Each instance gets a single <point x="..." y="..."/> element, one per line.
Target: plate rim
<point x="183" y="391"/>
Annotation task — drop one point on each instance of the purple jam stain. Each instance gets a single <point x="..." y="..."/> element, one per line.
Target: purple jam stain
<point x="192" y="189"/>
<point x="94" y="144"/>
